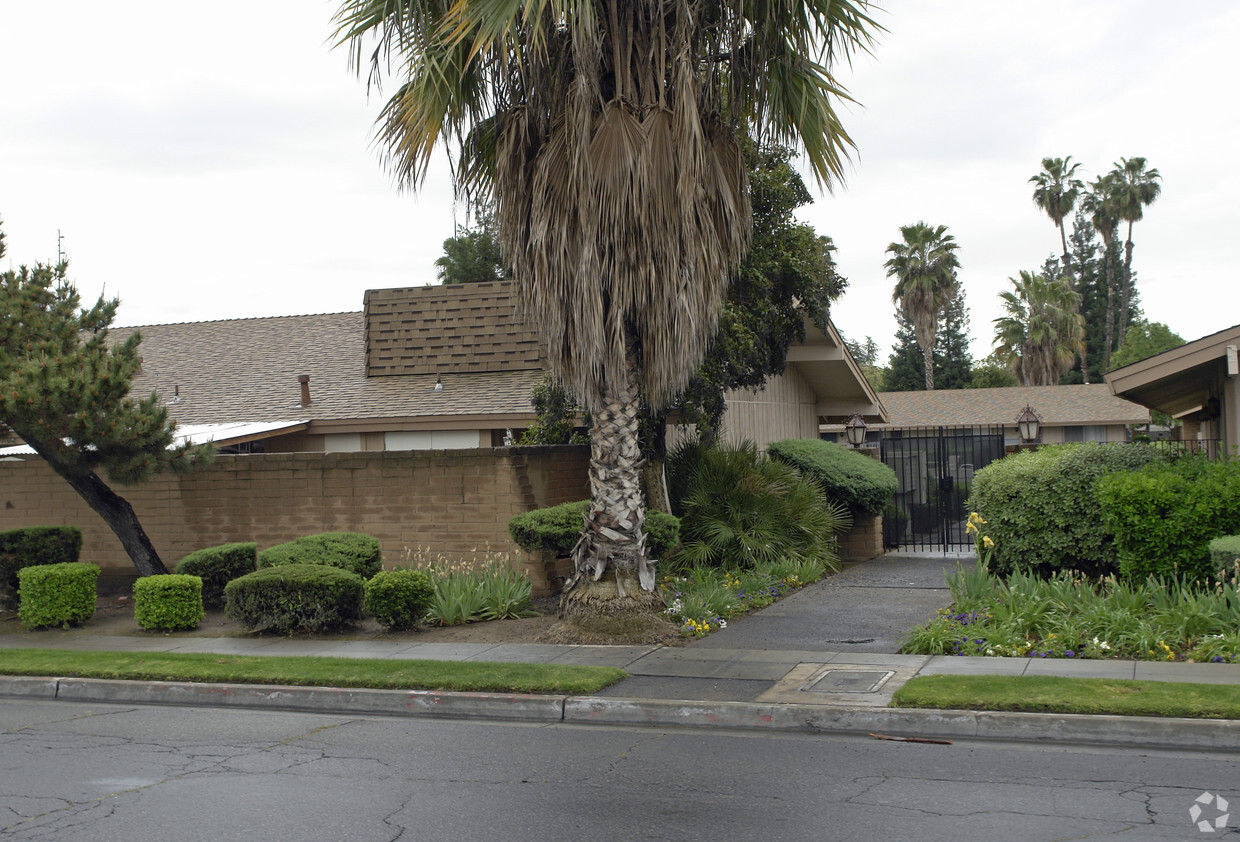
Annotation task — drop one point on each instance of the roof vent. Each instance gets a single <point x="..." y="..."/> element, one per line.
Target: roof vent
<point x="304" y="380"/>
<point x="438" y="383"/>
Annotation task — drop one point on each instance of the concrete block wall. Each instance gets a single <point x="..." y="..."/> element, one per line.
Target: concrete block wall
<point x="454" y="504"/>
<point x="864" y="541"/>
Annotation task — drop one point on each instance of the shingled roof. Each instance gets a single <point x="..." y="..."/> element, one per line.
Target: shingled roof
<point x="1055" y="405"/>
<point x="247" y="370"/>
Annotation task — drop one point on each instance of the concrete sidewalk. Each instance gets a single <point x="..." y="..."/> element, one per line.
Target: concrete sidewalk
<point x="796" y="665"/>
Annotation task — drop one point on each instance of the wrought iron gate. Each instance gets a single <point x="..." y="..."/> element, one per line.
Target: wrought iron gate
<point x="934" y="469"/>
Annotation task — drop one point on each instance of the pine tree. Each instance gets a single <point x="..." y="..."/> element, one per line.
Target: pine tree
<point x="953" y="365"/>
<point x="64" y="390"/>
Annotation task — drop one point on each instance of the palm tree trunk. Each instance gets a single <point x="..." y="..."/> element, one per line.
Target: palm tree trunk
<point x="927" y="354"/>
<point x="116" y="513"/>
<point x="1125" y="291"/>
<point x="613" y="589"/>
<point x="1106" y="363"/>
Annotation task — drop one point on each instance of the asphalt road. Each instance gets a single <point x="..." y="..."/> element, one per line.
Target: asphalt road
<point x="111" y="772"/>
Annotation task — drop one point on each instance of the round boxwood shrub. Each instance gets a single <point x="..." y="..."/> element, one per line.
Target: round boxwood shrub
<point x="352" y="551"/>
<point x="57" y="594"/>
<point x="217" y="566"/>
<point x="34" y="545"/>
<point x="862" y="484"/>
<point x="171" y="602"/>
<point x="398" y="599"/>
<point x="295" y="598"/>
<point x="556" y="529"/>
<point x="1041" y="509"/>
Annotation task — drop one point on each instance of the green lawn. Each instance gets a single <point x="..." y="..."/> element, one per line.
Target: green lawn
<point x="312" y="672"/>
<point x="1050" y="694"/>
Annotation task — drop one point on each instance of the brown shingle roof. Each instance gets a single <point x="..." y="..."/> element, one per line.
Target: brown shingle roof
<point x="441" y="329"/>
<point x="1055" y="405"/>
<point x="246" y="370"/>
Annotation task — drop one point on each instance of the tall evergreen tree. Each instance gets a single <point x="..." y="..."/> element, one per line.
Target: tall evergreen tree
<point x="472" y="255"/>
<point x="953" y="364"/>
<point x="924" y="265"/>
<point x="64" y="390"/>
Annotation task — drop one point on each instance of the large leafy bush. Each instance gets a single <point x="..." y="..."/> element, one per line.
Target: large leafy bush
<point x="295" y="598"/>
<point x="34" y="545"/>
<point x="352" y="551"/>
<point x="1041" y="510"/>
<point x="1164" y="516"/>
<point x="171" y="602"/>
<point x="217" y="566"/>
<point x="740" y="508"/>
<point x="556" y="529"/>
<point x="57" y="594"/>
<point x="862" y="484"/>
<point x="1225" y="554"/>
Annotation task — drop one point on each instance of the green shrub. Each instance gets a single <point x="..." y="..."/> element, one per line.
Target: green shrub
<point x="556" y="529"/>
<point x="295" y="598"/>
<point x="1041" y="509"/>
<point x="34" y="545"/>
<point x="1225" y="554"/>
<point x="217" y="566"/>
<point x="742" y="509"/>
<point x="57" y="594"/>
<point x="469" y="591"/>
<point x="172" y="602"/>
<point x="1164" y="516"/>
<point x="398" y="599"/>
<point x="352" y="551"/>
<point x="862" y="484"/>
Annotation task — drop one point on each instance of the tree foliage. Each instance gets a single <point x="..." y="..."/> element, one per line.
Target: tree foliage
<point x="953" y="365"/>
<point x="924" y="265"/>
<point x="64" y="390"/>
<point x="473" y="255"/>
<point x="1145" y="339"/>
<point x="1041" y="328"/>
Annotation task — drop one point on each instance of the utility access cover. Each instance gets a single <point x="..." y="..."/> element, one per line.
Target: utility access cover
<point x="847" y="681"/>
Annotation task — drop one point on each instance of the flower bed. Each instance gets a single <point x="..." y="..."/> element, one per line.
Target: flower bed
<point x="702" y="600"/>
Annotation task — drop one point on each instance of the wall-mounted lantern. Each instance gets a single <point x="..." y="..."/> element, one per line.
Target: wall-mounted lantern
<point x="854" y="429"/>
<point x="1029" y="424"/>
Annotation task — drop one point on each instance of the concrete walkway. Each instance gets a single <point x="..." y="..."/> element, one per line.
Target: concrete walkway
<point x="822" y="659"/>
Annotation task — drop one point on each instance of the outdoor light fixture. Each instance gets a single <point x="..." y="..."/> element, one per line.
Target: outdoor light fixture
<point x="1029" y="424"/>
<point x="854" y="428"/>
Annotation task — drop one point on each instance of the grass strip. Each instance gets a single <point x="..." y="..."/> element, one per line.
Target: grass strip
<point x="373" y="673"/>
<point x="1054" y="694"/>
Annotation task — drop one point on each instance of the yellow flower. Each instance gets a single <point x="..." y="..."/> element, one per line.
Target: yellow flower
<point x="987" y="541"/>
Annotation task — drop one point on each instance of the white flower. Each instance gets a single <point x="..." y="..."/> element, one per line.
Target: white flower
<point x="723" y="624"/>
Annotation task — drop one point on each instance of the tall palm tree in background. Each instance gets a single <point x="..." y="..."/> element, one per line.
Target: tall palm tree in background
<point x="1135" y="188"/>
<point x="607" y="134"/>
<point x="1099" y="204"/>
<point x="924" y="266"/>
<point x="1055" y="195"/>
<point x="1041" y="329"/>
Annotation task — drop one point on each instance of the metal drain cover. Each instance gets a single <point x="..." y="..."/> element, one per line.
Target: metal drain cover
<point x="846" y="681"/>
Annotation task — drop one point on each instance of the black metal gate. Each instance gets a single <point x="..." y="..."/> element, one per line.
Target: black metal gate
<point x="934" y="468"/>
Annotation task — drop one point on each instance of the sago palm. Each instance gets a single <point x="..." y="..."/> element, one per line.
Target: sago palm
<point x="924" y="265"/>
<point x="607" y="135"/>
<point x="1041" y="329"/>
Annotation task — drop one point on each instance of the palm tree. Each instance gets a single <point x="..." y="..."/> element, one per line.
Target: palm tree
<point x="1056" y="193"/>
<point x="924" y="266"/>
<point x="1042" y="328"/>
<point x="1099" y="203"/>
<point x="607" y="133"/>
<point x="1135" y="188"/>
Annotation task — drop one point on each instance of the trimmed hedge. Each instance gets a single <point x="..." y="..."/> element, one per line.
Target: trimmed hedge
<point x="1164" y="516"/>
<point x="217" y="566"/>
<point x="1041" y="509"/>
<point x="556" y="529"/>
<point x="352" y="551"/>
<point x="34" y="545"/>
<point x="295" y="598"/>
<point x="1224" y="553"/>
<point x="57" y="594"/>
<point x="862" y="484"/>
<point x="398" y="599"/>
<point x="171" y="602"/>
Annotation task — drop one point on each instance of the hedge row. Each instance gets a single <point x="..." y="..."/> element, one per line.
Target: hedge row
<point x="34" y="545"/>
<point x="862" y="484"/>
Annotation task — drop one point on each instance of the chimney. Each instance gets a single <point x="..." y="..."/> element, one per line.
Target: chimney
<point x="304" y="380"/>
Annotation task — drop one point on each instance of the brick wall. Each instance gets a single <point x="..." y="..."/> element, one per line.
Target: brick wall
<point x="445" y="502"/>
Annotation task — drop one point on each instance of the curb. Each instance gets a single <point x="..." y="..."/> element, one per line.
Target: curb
<point x="1214" y="734"/>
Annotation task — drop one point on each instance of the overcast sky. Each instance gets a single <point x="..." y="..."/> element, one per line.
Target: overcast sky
<point x="215" y="161"/>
